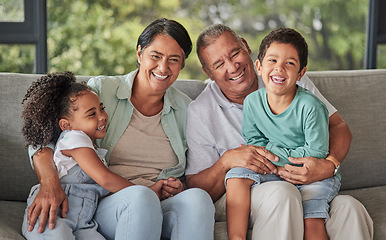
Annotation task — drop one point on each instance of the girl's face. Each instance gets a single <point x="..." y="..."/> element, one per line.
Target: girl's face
<point x="160" y="63"/>
<point x="88" y="116"/>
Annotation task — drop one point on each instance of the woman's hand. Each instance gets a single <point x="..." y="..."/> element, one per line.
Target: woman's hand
<point x="46" y="205"/>
<point x="157" y="188"/>
<point x="50" y="196"/>
<point x="172" y="187"/>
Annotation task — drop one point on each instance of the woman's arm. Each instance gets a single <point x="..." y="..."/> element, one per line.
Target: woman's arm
<point x="50" y="196"/>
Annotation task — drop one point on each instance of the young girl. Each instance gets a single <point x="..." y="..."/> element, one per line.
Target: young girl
<point x="60" y="110"/>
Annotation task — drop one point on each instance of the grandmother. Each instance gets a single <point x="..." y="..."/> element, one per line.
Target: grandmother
<point x="146" y="144"/>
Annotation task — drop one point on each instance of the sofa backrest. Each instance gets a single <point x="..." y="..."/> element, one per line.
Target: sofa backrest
<point x="360" y="98"/>
<point x="16" y="174"/>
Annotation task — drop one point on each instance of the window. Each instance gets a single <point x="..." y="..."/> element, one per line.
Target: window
<point x="24" y="22"/>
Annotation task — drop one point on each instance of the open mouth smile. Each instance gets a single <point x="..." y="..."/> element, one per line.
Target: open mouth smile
<point x="101" y="128"/>
<point x="160" y="76"/>
<point x="238" y="77"/>
<point x="277" y="79"/>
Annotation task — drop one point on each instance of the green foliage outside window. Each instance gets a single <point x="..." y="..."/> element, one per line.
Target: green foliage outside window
<point x="92" y="37"/>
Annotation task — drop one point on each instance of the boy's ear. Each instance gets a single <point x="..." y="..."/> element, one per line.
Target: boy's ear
<point x="301" y="73"/>
<point x="258" y="67"/>
<point x="64" y="124"/>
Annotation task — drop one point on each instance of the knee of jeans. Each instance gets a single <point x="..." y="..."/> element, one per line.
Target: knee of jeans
<point x="139" y="196"/>
<point x="199" y="201"/>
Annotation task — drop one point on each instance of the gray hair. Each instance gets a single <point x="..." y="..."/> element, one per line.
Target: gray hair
<point x="210" y="34"/>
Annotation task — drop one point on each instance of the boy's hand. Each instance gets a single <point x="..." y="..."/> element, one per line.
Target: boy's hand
<point x="172" y="187"/>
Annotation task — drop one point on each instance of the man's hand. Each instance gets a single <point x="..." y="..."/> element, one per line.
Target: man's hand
<point x="172" y="187"/>
<point x="46" y="205"/>
<point x="313" y="170"/>
<point x="252" y="157"/>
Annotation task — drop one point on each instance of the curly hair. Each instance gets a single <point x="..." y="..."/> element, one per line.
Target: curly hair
<point x="49" y="99"/>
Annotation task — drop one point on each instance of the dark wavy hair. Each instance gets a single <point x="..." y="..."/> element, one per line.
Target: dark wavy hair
<point x="286" y="36"/>
<point x="168" y="27"/>
<point x="49" y="99"/>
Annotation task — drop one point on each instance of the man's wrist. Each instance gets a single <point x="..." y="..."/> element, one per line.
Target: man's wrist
<point x="335" y="162"/>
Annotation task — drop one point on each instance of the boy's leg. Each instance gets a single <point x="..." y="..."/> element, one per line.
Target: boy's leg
<point x="314" y="229"/>
<point x="316" y="198"/>
<point x="238" y="183"/>
<point x="238" y="195"/>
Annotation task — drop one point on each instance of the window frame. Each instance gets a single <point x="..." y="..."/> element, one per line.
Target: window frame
<point x="32" y="31"/>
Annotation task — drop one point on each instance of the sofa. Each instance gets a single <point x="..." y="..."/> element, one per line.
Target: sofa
<point x="359" y="96"/>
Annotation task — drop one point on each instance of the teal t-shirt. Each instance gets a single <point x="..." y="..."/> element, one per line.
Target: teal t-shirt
<point x="300" y="131"/>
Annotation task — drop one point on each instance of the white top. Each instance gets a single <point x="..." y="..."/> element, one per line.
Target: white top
<point x="70" y="140"/>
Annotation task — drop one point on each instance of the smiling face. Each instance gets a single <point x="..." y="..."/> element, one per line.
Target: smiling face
<point x="160" y="63"/>
<point x="280" y="69"/>
<point x="228" y="63"/>
<point x="87" y="115"/>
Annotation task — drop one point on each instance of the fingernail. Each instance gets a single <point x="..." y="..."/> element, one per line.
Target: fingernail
<point x="51" y="226"/>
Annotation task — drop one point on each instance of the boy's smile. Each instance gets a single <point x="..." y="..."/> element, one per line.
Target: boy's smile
<point x="280" y="69"/>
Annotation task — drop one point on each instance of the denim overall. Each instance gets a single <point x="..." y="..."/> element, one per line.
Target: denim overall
<point x="83" y="194"/>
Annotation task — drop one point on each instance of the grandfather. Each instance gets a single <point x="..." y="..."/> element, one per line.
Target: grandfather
<point x="215" y="143"/>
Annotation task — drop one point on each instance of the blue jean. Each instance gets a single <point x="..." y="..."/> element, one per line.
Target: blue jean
<point x="137" y="213"/>
<point x="315" y="196"/>
<point x="83" y="194"/>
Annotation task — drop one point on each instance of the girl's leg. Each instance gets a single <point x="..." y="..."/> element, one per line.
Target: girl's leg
<point x="238" y="196"/>
<point x="61" y="231"/>
<point x="132" y="213"/>
<point x="188" y="215"/>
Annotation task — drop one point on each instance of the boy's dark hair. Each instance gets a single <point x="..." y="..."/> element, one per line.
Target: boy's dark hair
<point x="170" y="28"/>
<point x="285" y="35"/>
<point x="49" y="99"/>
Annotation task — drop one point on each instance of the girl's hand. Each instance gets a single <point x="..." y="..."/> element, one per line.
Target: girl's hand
<point x="172" y="187"/>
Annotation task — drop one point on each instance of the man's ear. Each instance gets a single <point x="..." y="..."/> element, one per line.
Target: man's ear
<point x="64" y="124"/>
<point x="246" y="45"/>
<point x="206" y="70"/>
<point x="301" y="73"/>
<point x="258" y="67"/>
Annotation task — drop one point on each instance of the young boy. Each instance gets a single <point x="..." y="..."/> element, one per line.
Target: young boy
<point x="289" y="121"/>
